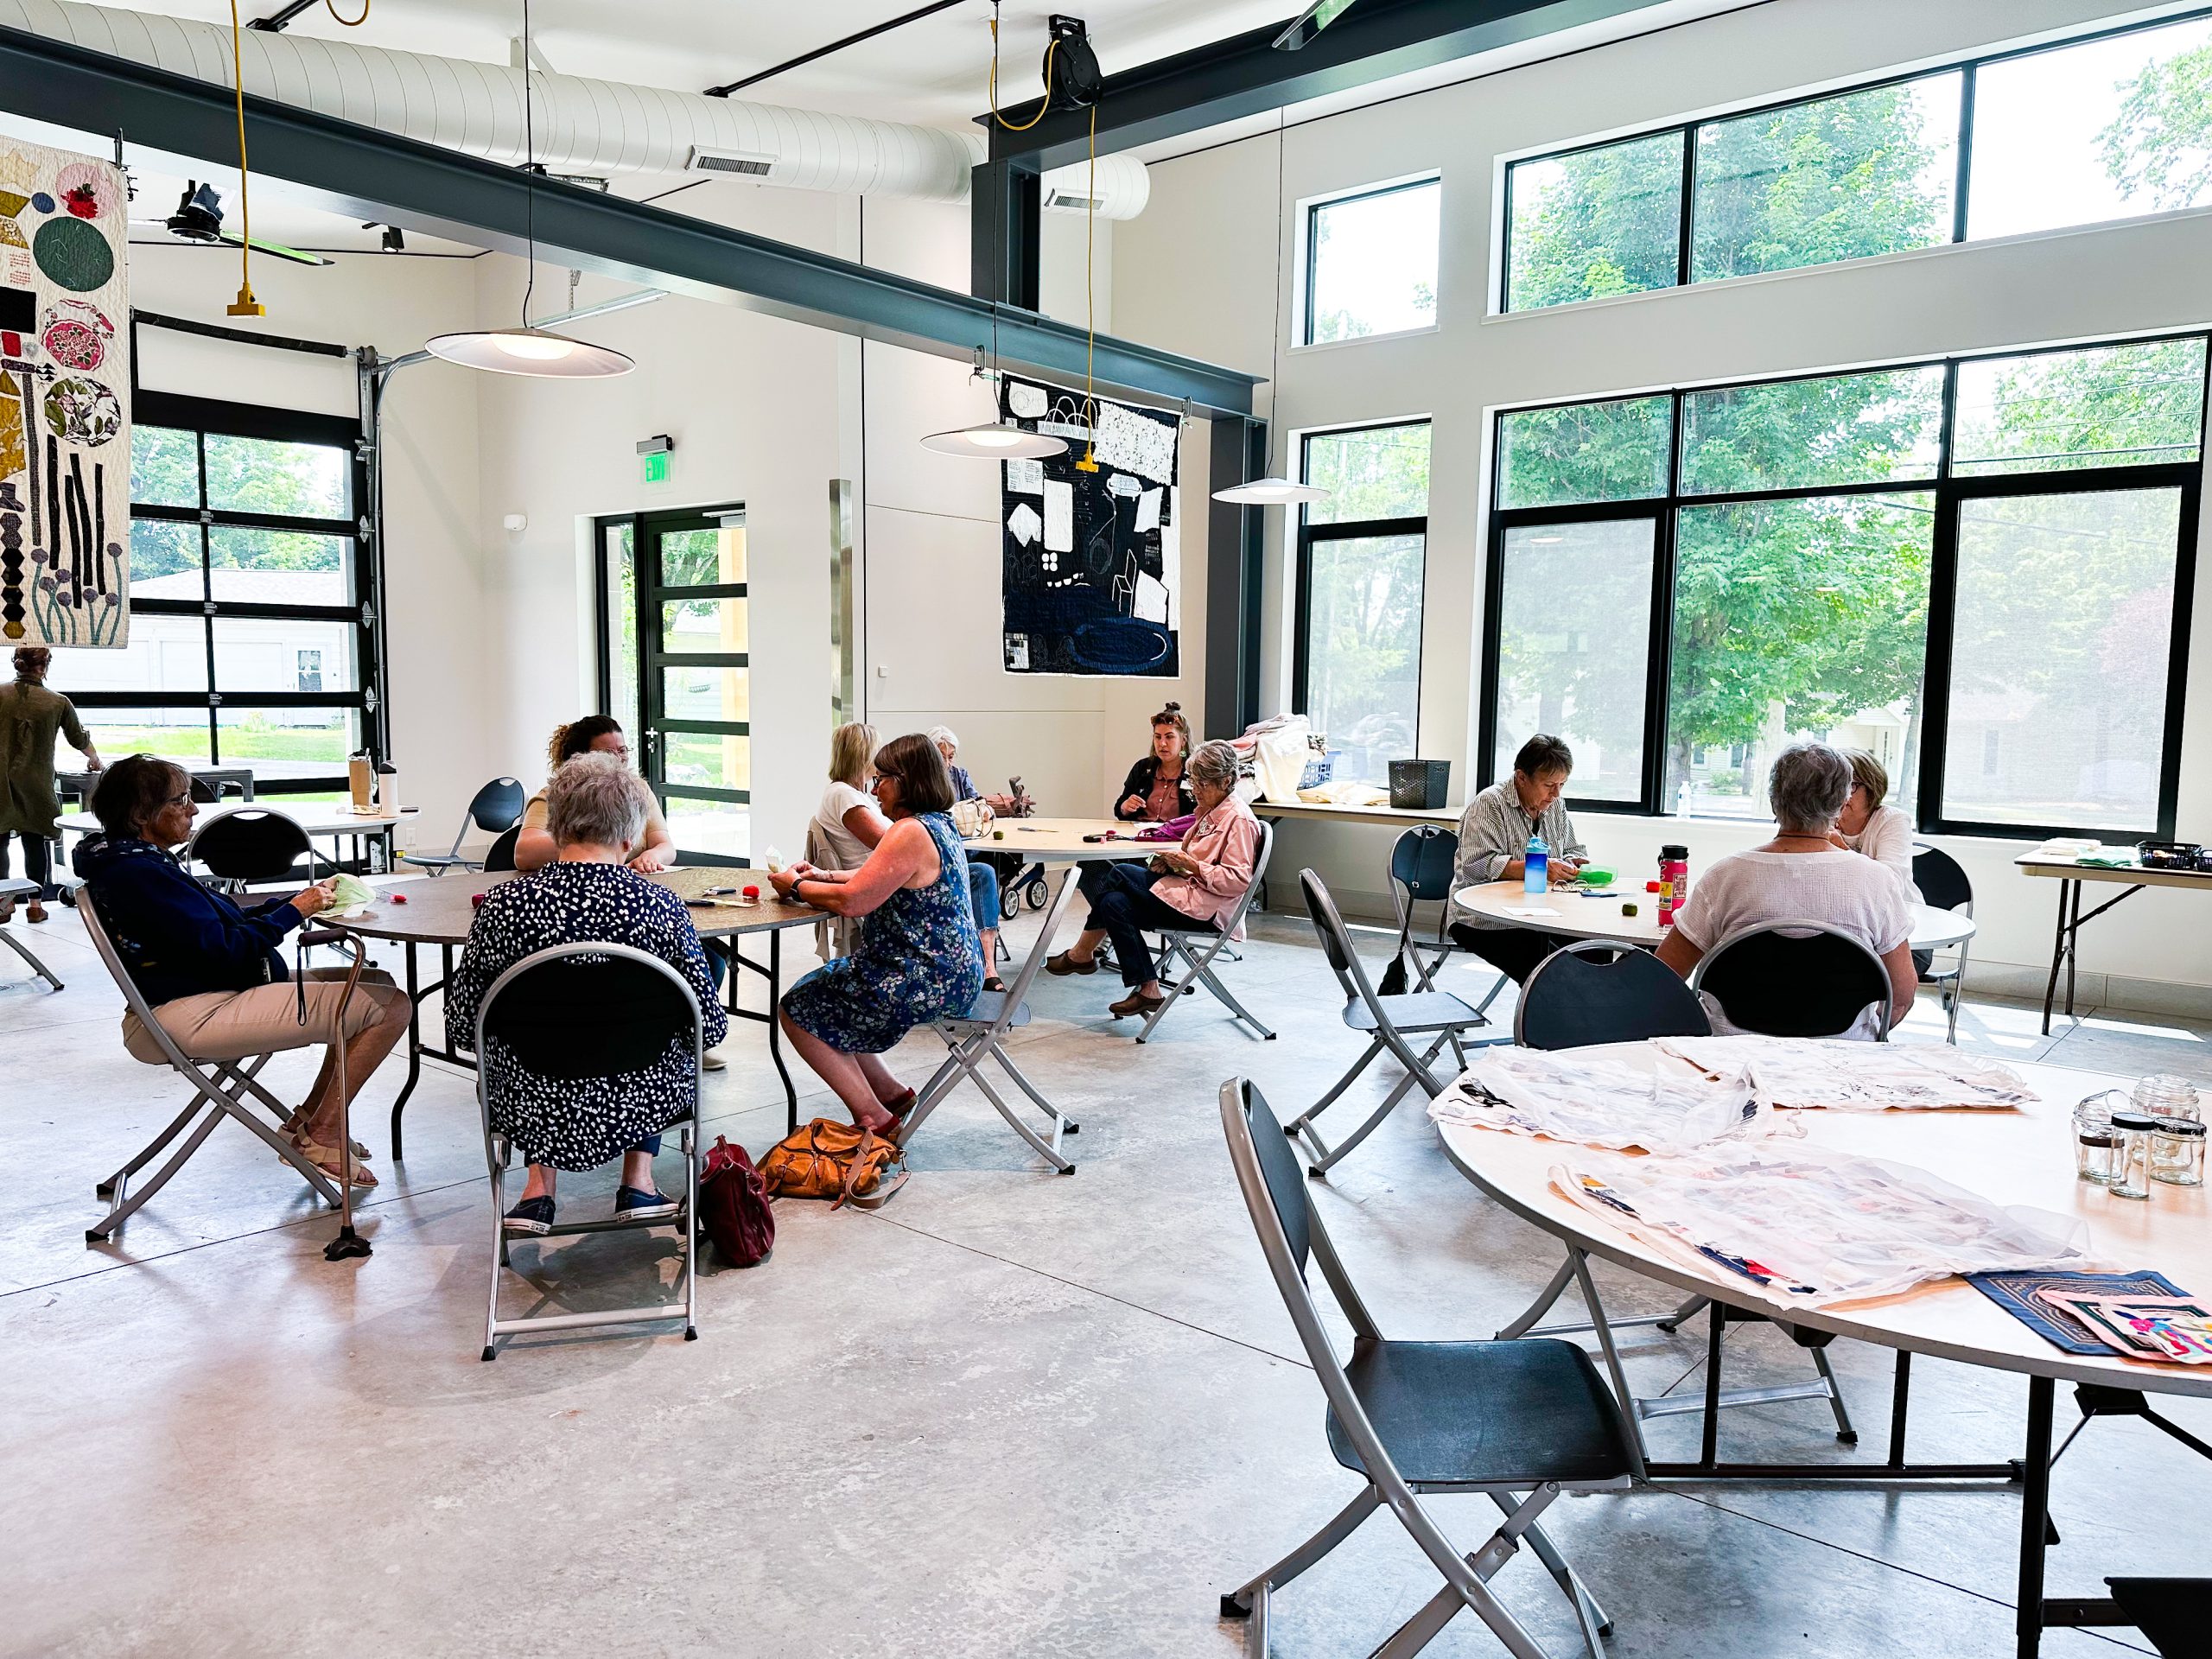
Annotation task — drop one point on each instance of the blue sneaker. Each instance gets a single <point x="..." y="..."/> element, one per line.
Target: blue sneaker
<point x="631" y="1204"/>
<point x="532" y="1219"/>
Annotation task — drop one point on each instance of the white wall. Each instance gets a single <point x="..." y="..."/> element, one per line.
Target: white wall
<point x="1195" y="272"/>
<point x="436" y="571"/>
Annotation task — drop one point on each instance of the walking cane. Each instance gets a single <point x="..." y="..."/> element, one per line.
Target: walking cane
<point x="348" y="1242"/>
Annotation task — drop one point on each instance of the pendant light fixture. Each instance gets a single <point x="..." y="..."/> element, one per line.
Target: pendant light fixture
<point x="529" y="350"/>
<point x="999" y="438"/>
<point x="1272" y="490"/>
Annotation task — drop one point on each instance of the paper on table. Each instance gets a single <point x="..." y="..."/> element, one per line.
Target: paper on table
<point x="1059" y="516"/>
<point x="1149" y="508"/>
<point x="1023" y="524"/>
<point x="1025" y="477"/>
<point x="1530" y="910"/>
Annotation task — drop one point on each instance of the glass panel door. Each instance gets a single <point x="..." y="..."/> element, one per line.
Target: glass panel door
<point x="691" y="630"/>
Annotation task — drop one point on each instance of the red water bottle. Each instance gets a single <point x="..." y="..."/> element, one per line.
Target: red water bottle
<point x="1674" y="881"/>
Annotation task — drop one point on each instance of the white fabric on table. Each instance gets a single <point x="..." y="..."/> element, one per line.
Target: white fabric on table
<point x="1598" y="1101"/>
<point x="1817" y="1227"/>
<point x="1801" y="1073"/>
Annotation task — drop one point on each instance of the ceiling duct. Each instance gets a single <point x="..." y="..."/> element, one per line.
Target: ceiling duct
<point x="599" y="128"/>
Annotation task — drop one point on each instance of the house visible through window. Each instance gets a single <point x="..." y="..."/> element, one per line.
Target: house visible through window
<point x="1370" y="263"/>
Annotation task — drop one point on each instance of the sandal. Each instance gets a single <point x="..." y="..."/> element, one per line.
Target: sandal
<point x="292" y="1131"/>
<point x="326" y="1159"/>
<point x="900" y="1107"/>
<point x="992" y="983"/>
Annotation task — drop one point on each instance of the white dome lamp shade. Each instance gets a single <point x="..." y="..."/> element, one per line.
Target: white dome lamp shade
<point x="529" y="350"/>
<point x="1271" y="491"/>
<point x="995" y="441"/>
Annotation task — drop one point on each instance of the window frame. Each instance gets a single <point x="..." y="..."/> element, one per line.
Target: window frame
<point x="1948" y="490"/>
<point x="204" y="417"/>
<point x="1310" y="254"/>
<point x="1966" y="68"/>
<point x="1350" y="530"/>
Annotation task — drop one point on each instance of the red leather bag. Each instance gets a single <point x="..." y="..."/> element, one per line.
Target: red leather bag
<point x="734" y="1206"/>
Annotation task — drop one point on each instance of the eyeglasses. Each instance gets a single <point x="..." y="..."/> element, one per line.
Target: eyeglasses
<point x="184" y="800"/>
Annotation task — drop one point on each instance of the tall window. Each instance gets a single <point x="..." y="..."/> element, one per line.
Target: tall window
<point x="252" y="616"/>
<point x="1360" y="555"/>
<point x="1978" y="569"/>
<point x="1370" y="263"/>
<point x="2102" y="128"/>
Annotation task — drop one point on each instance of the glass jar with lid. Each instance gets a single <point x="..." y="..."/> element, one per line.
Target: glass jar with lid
<point x="2131" y="1155"/>
<point x="2166" y="1095"/>
<point x="2095" y="1141"/>
<point x="2177" y="1151"/>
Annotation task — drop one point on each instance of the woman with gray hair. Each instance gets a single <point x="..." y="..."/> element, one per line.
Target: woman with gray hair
<point x="1199" y="881"/>
<point x="1800" y="876"/>
<point x="595" y="811"/>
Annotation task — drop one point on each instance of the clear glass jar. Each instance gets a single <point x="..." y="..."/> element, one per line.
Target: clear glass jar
<point x="2166" y="1095"/>
<point x="2131" y="1155"/>
<point x="2095" y="1139"/>
<point x="2177" y="1151"/>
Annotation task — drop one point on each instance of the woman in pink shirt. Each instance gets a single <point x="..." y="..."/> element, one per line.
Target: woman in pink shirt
<point x="1199" y="881"/>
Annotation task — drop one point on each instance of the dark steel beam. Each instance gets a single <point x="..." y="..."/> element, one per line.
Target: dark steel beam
<point x="1004" y="254"/>
<point x="365" y="173"/>
<point x="1245" y="75"/>
<point x="1235" y="568"/>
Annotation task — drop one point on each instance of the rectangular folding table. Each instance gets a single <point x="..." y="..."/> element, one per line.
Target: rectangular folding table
<point x="2071" y="874"/>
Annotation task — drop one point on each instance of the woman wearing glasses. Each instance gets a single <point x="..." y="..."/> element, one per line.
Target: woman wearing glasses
<point x="593" y="734"/>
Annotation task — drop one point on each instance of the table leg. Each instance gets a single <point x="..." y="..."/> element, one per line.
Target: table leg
<point x="2057" y="958"/>
<point x="414" y="1049"/>
<point x="775" y="1030"/>
<point x="2035" y="1515"/>
<point x="1900" y="1400"/>
<point x="2072" y="944"/>
<point x="1709" y="1448"/>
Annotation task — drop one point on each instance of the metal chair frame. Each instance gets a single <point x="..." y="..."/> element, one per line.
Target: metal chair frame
<point x="499" y="1153"/>
<point x="981" y="1034"/>
<point x="1448" y="1023"/>
<point x="1521" y="1502"/>
<point x="1950" y="980"/>
<point x="225" y="1088"/>
<point x="496" y="808"/>
<point x="19" y="887"/>
<point x="1704" y="969"/>
<point x="1194" y="949"/>
<point x="1404" y="898"/>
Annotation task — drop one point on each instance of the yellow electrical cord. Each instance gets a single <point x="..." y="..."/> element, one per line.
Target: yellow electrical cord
<point x="1041" y="109"/>
<point x="246" y="305"/>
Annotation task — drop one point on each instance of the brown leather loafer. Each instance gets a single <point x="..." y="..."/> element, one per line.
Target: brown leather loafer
<point x="1064" y="965"/>
<point x="1135" y="1003"/>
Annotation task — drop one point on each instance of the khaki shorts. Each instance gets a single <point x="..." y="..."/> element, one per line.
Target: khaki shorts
<point x="238" y="1024"/>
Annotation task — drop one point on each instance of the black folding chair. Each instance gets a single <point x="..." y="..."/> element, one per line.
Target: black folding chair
<point x="1794" y="979"/>
<point x="1943" y="885"/>
<point x="501" y="855"/>
<point x="249" y="844"/>
<point x="573" y="1012"/>
<point x="1517" y="1423"/>
<point x="1388" y="1021"/>
<point x="495" y="808"/>
<point x="981" y="1034"/>
<point x="1604" y="991"/>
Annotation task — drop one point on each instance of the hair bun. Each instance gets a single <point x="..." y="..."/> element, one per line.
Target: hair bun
<point x="1174" y="708"/>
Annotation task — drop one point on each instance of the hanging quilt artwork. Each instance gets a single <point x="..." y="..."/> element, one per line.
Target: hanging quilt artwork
<point x="65" y="410"/>
<point x="1091" y="570"/>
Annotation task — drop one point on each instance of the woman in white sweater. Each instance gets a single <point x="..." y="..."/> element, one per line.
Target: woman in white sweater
<point x="1866" y="825"/>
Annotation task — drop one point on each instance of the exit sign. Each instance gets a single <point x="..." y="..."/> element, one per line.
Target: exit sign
<point x="654" y="467"/>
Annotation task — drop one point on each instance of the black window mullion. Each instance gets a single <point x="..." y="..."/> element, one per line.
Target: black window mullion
<point x="1963" y="174"/>
<point x="2178" y="658"/>
<point x="1684" y="251"/>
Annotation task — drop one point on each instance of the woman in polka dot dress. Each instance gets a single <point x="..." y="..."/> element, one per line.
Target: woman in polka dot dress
<point x="596" y="811"/>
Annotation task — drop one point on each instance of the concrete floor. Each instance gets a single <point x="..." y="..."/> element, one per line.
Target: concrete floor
<point x="1009" y="1414"/>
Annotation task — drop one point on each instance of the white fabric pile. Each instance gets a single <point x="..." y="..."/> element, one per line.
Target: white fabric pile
<point x="1803" y="1074"/>
<point x="1599" y="1100"/>
<point x="1819" y="1227"/>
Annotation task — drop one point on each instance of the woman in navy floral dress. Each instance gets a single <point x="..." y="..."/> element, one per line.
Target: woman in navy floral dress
<point x="596" y="810"/>
<point x="918" y="958"/>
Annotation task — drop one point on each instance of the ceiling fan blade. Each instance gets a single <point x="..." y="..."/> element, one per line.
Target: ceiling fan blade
<point x="278" y="251"/>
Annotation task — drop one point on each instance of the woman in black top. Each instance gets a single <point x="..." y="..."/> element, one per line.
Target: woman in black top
<point x="1158" y="787"/>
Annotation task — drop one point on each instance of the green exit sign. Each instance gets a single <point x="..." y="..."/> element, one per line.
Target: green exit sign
<point x="654" y="467"/>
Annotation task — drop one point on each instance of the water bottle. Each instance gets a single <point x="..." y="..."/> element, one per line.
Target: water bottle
<point x="1535" y="866"/>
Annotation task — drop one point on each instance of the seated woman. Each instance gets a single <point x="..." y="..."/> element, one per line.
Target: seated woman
<point x="590" y="893"/>
<point x="211" y="969"/>
<point x="1494" y="834"/>
<point x="1003" y="867"/>
<point x="1868" y="825"/>
<point x="1800" y="876"/>
<point x="848" y="825"/>
<point x="536" y="848"/>
<point x="1158" y="788"/>
<point x="918" y="958"/>
<point x="1195" y="883"/>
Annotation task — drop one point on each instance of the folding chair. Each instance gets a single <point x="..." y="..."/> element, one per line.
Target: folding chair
<point x="1605" y="991"/>
<point x="981" y="1032"/>
<point x="1424" y="865"/>
<point x="1943" y="885"/>
<point x="494" y="809"/>
<point x="833" y="935"/>
<point x="575" y="1012"/>
<point x="501" y="854"/>
<point x="249" y="844"/>
<point x="223" y="1086"/>
<point x="1517" y="1423"/>
<point x="18" y="887"/>
<point x="1388" y="1021"/>
<point x="1194" y="948"/>
<point x="1794" y="979"/>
